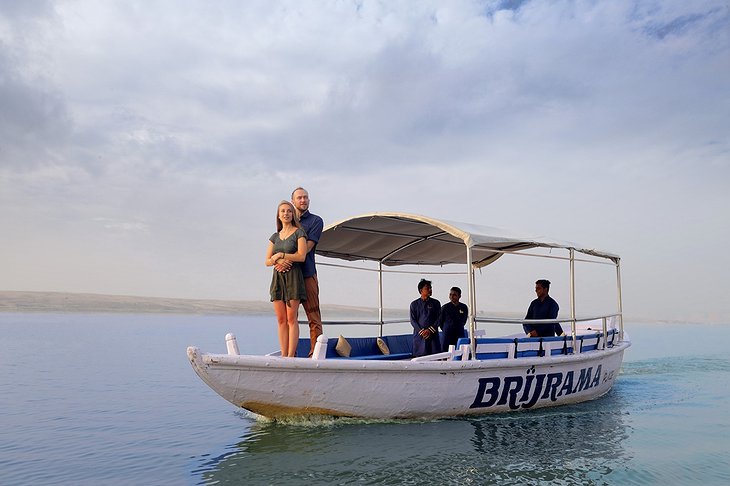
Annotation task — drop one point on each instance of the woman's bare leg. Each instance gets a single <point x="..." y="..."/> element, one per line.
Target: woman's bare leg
<point x="283" y="328"/>
<point x="292" y="313"/>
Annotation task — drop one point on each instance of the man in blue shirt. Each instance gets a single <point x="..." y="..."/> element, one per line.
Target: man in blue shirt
<point x="424" y="316"/>
<point x="544" y="307"/>
<point x="453" y="319"/>
<point x="312" y="225"/>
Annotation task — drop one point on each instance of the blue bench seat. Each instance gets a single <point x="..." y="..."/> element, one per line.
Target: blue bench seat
<point x="366" y="348"/>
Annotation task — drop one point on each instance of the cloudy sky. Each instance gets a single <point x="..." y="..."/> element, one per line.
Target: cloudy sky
<point x="144" y="145"/>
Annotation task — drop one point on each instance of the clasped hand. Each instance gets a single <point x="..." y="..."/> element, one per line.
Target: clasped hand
<point x="283" y="266"/>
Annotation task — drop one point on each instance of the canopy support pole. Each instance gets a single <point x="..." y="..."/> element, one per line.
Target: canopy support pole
<point x="472" y="301"/>
<point x="380" y="296"/>
<point x="620" y="305"/>
<point x="572" y="298"/>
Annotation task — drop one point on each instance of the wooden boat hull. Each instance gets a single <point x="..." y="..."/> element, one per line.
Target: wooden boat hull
<point x="276" y="387"/>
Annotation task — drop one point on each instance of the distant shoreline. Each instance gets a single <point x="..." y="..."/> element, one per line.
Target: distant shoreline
<point x="12" y="301"/>
<point x="26" y="301"/>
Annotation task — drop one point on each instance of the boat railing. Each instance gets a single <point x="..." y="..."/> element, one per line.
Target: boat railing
<point x="360" y="322"/>
<point x="606" y="322"/>
<point x="580" y="338"/>
<point x="604" y="319"/>
<point x="352" y="322"/>
<point x="461" y="352"/>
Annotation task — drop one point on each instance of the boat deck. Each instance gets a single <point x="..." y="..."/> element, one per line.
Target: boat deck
<point x="514" y="346"/>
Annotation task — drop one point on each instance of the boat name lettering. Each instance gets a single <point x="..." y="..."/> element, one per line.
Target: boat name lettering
<point x="525" y="391"/>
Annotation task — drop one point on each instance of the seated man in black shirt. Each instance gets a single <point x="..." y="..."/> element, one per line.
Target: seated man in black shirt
<point x="544" y="307"/>
<point x="452" y="319"/>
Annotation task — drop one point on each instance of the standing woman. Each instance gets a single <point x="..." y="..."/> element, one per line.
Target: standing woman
<point x="287" y="288"/>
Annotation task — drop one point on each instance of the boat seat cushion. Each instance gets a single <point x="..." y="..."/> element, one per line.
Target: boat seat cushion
<point x="382" y="346"/>
<point x="343" y="347"/>
<point x="400" y="346"/>
<point x="399" y="343"/>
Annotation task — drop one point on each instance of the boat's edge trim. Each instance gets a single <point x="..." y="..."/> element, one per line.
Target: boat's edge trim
<point x="294" y="364"/>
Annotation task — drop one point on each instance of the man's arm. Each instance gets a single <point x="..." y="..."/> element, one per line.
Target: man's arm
<point x="285" y="265"/>
<point x="554" y="310"/>
<point x="313" y="236"/>
<point x="528" y="327"/>
<point x="414" y="317"/>
<point x="415" y="314"/>
<point x="441" y="318"/>
<point x="315" y="231"/>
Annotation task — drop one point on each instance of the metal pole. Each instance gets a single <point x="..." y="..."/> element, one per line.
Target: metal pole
<point x="474" y="299"/>
<point x="572" y="298"/>
<point x="620" y="306"/>
<point x="472" y="302"/>
<point x="380" y="296"/>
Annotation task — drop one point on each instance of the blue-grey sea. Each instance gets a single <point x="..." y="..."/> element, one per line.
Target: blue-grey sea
<point x="111" y="399"/>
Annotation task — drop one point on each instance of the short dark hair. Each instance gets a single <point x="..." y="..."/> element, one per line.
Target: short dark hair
<point x="300" y="188"/>
<point x="423" y="283"/>
<point x="543" y="283"/>
<point x="457" y="290"/>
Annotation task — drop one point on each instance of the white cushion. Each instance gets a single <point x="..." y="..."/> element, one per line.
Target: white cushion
<point x="343" y="348"/>
<point x="382" y="346"/>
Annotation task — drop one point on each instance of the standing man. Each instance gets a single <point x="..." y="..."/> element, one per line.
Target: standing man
<point x="452" y="319"/>
<point x="424" y="316"/>
<point x="544" y="307"/>
<point x="313" y="225"/>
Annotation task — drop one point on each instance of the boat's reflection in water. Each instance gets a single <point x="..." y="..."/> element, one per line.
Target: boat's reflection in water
<point x="579" y="444"/>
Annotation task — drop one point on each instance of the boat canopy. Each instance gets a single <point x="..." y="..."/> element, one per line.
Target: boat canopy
<point x="410" y="239"/>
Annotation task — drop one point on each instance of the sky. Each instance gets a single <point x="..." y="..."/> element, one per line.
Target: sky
<point x="144" y="146"/>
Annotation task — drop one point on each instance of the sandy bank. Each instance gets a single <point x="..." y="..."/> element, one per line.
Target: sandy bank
<point x="19" y="301"/>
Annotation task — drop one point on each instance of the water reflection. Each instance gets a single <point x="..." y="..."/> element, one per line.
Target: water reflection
<point x="578" y="444"/>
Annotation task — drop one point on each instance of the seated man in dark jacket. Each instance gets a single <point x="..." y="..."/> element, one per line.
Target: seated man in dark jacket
<point x="452" y="319"/>
<point x="544" y="307"/>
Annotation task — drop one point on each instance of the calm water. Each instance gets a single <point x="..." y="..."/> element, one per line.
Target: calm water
<point x="112" y="399"/>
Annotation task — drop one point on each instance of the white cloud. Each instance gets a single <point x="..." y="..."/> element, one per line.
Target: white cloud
<point x="179" y="125"/>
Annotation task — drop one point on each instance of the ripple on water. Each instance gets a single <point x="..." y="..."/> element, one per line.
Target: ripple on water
<point x="537" y="446"/>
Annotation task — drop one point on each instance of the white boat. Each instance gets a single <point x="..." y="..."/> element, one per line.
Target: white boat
<point x="482" y="375"/>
